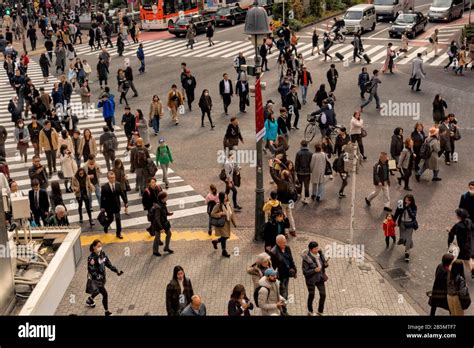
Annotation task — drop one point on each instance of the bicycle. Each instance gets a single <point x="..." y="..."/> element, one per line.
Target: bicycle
<point x="337" y="36"/>
<point x="312" y="126"/>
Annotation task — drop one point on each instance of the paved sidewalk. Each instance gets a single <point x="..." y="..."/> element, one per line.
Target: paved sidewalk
<point x="353" y="288"/>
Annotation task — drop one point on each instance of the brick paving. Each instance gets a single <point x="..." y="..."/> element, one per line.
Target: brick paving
<point x="358" y="287"/>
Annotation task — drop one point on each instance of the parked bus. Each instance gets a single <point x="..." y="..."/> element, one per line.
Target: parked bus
<point x="157" y="14"/>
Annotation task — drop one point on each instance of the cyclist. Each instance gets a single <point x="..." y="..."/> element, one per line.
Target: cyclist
<point x="337" y="27"/>
<point x="326" y="119"/>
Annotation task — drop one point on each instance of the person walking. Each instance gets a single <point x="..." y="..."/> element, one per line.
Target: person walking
<point x="314" y="42"/>
<point x="102" y="72"/>
<point x="303" y="169"/>
<point x="108" y="144"/>
<point x="82" y="187"/>
<point x="271" y="132"/>
<point x="282" y="261"/>
<point x="332" y="75"/>
<point x="142" y="127"/>
<point x="452" y="53"/>
<point x="274" y="226"/>
<point x="417" y="72"/>
<point x="139" y="156"/>
<point x="129" y="77"/>
<point x="48" y="142"/>
<point x="418" y="136"/>
<point x="179" y="292"/>
<point x="405" y="216"/>
<point x="141" y="58"/>
<point x="257" y="269"/>
<point x="110" y="196"/>
<point x="123" y="87"/>
<point x="404" y="46"/>
<point x="120" y="45"/>
<point x="396" y="145"/>
<point x="93" y="172"/>
<point x="433" y="46"/>
<point x="223" y="211"/>
<point x="463" y="232"/>
<point x="175" y="100"/>
<point x="39" y="203"/>
<point x="150" y="197"/>
<point x="85" y="93"/>
<point x="446" y="141"/>
<point x="239" y="304"/>
<point x="226" y="91"/>
<point x="211" y="200"/>
<point x="242" y="89"/>
<point x="232" y="135"/>
<point x="293" y="105"/>
<point x="96" y="275"/>
<point x="318" y="168"/>
<point x="362" y="82"/>
<point x="389" y="59"/>
<point x="373" y="91"/>
<point x="406" y="163"/>
<point x="388" y="227"/>
<point x="68" y="166"/>
<point x="381" y="180"/>
<point x="263" y="51"/>
<point x="189" y="83"/>
<point x="429" y="154"/>
<point x="190" y="35"/>
<point x="205" y="104"/>
<point x="163" y="159"/>
<point x="34" y="129"/>
<point x="439" y="109"/>
<point x="155" y="114"/>
<point x="60" y="53"/>
<point x="22" y="138"/>
<point x="269" y="299"/>
<point x="304" y="80"/>
<point x="210" y="34"/>
<point x="457" y="290"/>
<point x="327" y="44"/>
<point x="87" y="145"/>
<point x="44" y="65"/>
<point x="439" y="292"/>
<point x="357" y="47"/>
<point x="160" y="224"/>
<point x="314" y="271"/>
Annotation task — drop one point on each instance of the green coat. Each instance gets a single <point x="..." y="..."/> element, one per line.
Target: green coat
<point x="163" y="155"/>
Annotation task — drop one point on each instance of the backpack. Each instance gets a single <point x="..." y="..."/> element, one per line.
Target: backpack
<point x="255" y="294"/>
<point x="425" y="150"/>
<point x="140" y="158"/>
<point x="151" y="213"/>
<point x="368" y="86"/>
<point x="292" y="192"/>
<point x="236" y="62"/>
<point x="338" y="164"/>
<point x="223" y="175"/>
<point x="151" y="167"/>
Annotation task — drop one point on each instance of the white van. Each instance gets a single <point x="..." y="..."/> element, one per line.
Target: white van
<point x="360" y="18"/>
<point x="389" y="9"/>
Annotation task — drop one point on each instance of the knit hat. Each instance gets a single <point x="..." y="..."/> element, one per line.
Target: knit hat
<point x="433" y="131"/>
<point x="270" y="272"/>
<point x="161" y="141"/>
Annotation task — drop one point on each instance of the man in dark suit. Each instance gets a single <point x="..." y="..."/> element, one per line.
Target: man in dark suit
<point x="39" y="202"/>
<point x="110" y="203"/>
<point x="332" y="76"/>
<point x="293" y="105"/>
<point x="226" y="90"/>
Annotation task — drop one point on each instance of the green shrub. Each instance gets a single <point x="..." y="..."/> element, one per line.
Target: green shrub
<point x="295" y="24"/>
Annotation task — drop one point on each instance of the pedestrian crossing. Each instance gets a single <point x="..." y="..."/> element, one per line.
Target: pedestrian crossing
<point x="229" y="49"/>
<point x="183" y="200"/>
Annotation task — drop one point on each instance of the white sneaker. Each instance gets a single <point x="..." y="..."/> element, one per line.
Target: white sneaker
<point x="311" y="314"/>
<point x="320" y="314"/>
<point x="304" y="201"/>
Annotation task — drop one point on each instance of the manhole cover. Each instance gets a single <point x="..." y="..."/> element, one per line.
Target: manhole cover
<point x="397" y="273"/>
<point x="359" y="311"/>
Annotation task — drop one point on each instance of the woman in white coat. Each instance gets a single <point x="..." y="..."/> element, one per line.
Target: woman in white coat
<point x="318" y="167"/>
<point x="68" y="166"/>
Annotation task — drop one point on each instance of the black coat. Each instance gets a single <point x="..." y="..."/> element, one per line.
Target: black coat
<point x="283" y="262"/>
<point x="463" y="233"/>
<point x="110" y="201"/>
<point x="440" y="288"/>
<point x="238" y="88"/>
<point x="418" y="140"/>
<point x="149" y="197"/>
<point x="271" y="230"/>
<point x="160" y="218"/>
<point x="234" y="309"/>
<point x="43" y="201"/>
<point x="309" y="268"/>
<point x="303" y="161"/>
<point x="221" y="87"/>
<point x="173" y="292"/>
<point x="396" y="146"/>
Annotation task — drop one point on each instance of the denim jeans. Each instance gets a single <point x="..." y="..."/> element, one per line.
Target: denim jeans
<point x="142" y="65"/>
<point x="304" y="92"/>
<point x="371" y="97"/>
<point x="322" y="296"/>
<point x="156" y="124"/>
<point x="422" y="170"/>
<point x="97" y="194"/>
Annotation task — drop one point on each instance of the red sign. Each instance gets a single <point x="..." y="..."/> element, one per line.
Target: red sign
<point x="259" y="118"/>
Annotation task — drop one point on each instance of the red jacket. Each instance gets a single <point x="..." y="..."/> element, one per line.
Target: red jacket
<point x="389" y="228"/>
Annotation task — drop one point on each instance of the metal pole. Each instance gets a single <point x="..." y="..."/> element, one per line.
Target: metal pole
<point x="284" y="11"/>
<point x="259" y="190"/>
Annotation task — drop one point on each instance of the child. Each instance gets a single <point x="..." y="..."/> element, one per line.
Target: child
<point x="272" y="205"/>
<point x="389" y="229"/>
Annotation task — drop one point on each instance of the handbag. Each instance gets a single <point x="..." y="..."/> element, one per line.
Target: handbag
<point x="363" y="133"/>
<point x="61" y="174"/>
<point x="127" y="186"/>
<point x="217" y="222"/>
<point x="464" y="297"/>
<point x="411" y="224"/>
<point x="453" y="249"/>
<point x="392" y="164"/>
<point x="412" y="81"/>
<point x="223" y="175"/>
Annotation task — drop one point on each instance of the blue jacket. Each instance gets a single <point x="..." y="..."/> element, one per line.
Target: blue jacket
<point x="140" y="53"/>
<point x="271" y="129"/>
<point x="363" y="78"/>
<point x="108" y="107"/>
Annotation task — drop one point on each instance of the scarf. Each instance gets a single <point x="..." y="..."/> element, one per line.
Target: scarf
<point x="227" y="210"/>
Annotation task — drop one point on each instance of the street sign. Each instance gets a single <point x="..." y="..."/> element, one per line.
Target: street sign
<point x="259" y="118"/>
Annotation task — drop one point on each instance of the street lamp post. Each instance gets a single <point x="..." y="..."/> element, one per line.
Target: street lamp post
<point x="257" y="24"/>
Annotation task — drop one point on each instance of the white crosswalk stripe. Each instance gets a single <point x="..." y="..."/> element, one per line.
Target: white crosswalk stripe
<point x="230" y="49"/>
<point x="183" y="200"/>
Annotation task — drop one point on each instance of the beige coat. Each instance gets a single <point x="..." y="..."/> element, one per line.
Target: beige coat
<point x="170" y="103"/>
<point x="44" y="142"/>
<point x="318" y="167"/>
<point x="155" y="109"/>
<point x="97" y="168"/>
<point x="68" y="165"/>
<point x="92" y="146"/>
<point x="225" y="230"/>
<point x="77" y="190"/>
<point x="85" y="95"/>
<point x="68" y="142"/>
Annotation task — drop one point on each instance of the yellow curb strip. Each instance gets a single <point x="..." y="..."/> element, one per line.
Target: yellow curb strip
<point x="134" y="237"/>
